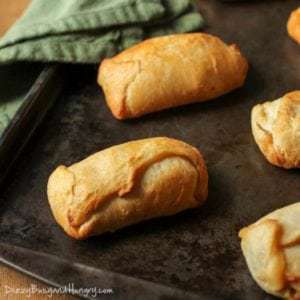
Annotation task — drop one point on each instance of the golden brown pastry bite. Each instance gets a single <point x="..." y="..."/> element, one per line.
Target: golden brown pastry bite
<point x="276" y="129"/>
<point x="169" y="71"/>
<point x="126" y="184"/>
<point x="271" y="247"/>
<point x="293" y="25"/>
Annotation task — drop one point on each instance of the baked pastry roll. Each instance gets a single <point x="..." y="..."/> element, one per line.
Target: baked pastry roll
<point x="170" y="71"/>
<point x="126" y="184"/>
<point x="276" y="129"/>
<point x="271" y="247"/>
<point x="293" y="25"/>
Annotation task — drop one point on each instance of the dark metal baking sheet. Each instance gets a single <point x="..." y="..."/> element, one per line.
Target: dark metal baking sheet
<point x="81" y="279"/>
<point x="197" y="250"/>
<point x="33" y="89"/>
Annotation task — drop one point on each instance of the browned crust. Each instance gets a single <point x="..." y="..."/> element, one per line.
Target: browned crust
<point x="270" y="247"/>
<point x="169" y="71"/>
<point x="275" y="127"/>
<point x="293" y="25"/>
<point x="84" y="190"/>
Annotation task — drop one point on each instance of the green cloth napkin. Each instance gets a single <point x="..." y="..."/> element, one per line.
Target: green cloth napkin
<point x="15" y="84"/>
<point x="85" y="31"/>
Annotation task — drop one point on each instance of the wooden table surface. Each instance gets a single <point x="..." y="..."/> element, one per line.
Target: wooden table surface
<point x="10" y="11"/>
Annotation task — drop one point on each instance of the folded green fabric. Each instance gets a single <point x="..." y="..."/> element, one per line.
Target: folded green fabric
<point x="85" y="31"/>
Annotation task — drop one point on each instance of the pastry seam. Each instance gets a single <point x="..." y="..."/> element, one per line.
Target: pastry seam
<point x="134" y="178"/>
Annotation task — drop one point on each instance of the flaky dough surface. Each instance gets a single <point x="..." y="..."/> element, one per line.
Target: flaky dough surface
<point x="271" y="247"/>
<point x="276" y="129"/>
<point x="126" y="184"/>
<point x="293" y="25"/>
<point x="170" y="71"/>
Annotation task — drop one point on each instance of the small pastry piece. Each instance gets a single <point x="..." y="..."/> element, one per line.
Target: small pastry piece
<point x="170" y="71"/>
<point x="293" y="25"/>
<point x="271" y="247"/>
<point x="126" y="184"/>
<point x="276" y="129"/>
